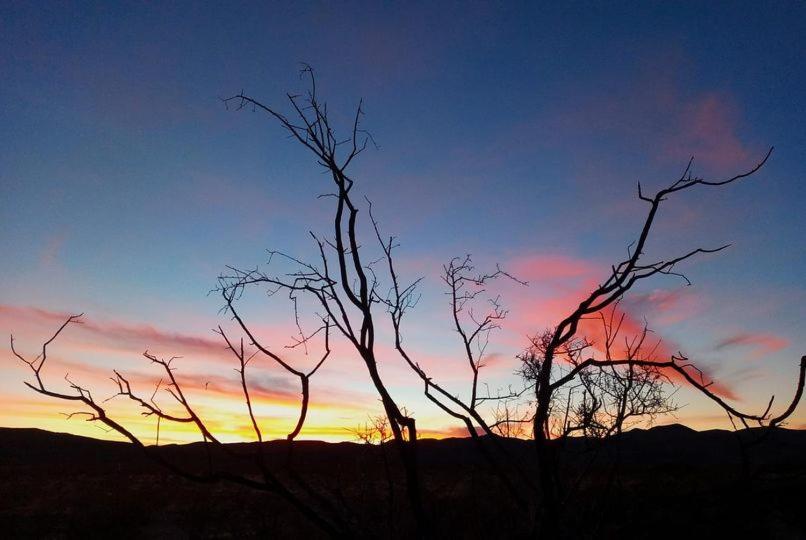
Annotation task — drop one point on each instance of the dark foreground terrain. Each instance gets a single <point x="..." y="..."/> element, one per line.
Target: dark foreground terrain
<point x="666" y="482"/>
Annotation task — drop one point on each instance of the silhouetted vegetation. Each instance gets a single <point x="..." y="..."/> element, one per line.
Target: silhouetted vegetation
<point x="577" y="472"/>
<point x="670" y="480"/>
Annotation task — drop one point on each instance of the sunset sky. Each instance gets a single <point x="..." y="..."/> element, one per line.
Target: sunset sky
<point x="515" y="134"/>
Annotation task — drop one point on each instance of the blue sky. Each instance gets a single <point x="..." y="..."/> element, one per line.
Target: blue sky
<point x="514" y="133"/>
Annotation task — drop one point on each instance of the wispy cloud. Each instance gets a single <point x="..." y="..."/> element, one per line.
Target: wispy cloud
<point x="114" y="334"/>
<point x="707" y="127"/>
<point x="665" y="306"/>
<point x="94" y="334"/>
<point x="543" y="267"/>
<point x="760" y="343"/>
<point x="445" y="433"/>
<point x="216" y="391"/>
<point x="51" y="252"/>
<point x="657" y="112"/>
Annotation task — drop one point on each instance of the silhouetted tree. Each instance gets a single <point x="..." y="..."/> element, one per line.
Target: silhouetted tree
<point x="294" y="490"/>
<point x="342" y="282"/>
<point x="602" y="379"/>
<point x="567" y="390"/>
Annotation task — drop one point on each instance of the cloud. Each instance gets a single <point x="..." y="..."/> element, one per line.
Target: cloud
<point x="113" y="334"/>
<point x="656" y="348"/>
<point x="760" y="343"/>
<point x="49" y="256"/>
<point x="268" y="387"/>
<point x="569" y="280"/>
<point x="707" y="128"/>
<point x="36" y="324"/>
<point x="277" y="390"/>
<point x="655" y="113"/>
<point x="544" y="267"/>
<point x="665" y="306"/>
<point x="445" y="433"/>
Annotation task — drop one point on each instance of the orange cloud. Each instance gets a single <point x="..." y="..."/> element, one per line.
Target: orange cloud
<point x="214" y="389"/>
<point x="275" y="389"/>
<point x="445" y="433"/>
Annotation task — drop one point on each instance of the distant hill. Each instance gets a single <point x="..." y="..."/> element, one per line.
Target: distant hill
<point x="655" y="446"/>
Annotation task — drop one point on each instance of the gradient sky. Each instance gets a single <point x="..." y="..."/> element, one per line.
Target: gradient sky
<point x="516" y="134"/>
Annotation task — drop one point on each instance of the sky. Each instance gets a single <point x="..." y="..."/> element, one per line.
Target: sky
<point x="514" y="133"/>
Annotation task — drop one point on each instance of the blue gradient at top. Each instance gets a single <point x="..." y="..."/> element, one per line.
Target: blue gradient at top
<point x="126" y="185"/>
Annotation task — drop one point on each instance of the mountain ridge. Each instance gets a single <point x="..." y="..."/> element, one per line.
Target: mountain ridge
<point x="659" y="445"/>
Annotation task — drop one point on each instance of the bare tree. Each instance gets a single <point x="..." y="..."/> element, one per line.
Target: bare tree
<point x="342" y="282"/>
<point x="544" y="362"/>
<point x="567" y="389"/>
<point x="295" y="490"/>
<point x="603" y="402"/>
<point x="464" y="287"/>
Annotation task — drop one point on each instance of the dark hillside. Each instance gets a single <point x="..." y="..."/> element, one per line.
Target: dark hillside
<point x="662" y="483"/>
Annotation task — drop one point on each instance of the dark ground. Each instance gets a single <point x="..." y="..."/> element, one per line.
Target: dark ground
<point x="667" y="482"/>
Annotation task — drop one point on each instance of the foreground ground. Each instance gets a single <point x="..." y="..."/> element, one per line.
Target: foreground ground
<point x="668" y="482"/>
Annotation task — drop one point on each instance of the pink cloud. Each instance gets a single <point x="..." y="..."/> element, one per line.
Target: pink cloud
<point x="267" y="382"/>
<point x="662" y="348"/>
<point x="94" y="335"/>
<point x="760" y="343"/>
<point x="658" y="116"/>
<point x="707" y="128"/>
<point x="535" y="310"/>
<point x="536" y="268"/>
<point x="275" y="389"/>
<point x="116" y="335"/>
